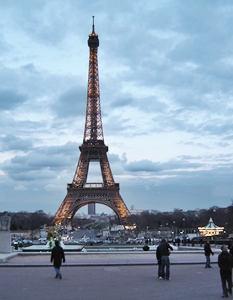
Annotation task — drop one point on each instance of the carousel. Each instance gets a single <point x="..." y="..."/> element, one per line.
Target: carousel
<point x="210" y="229"/>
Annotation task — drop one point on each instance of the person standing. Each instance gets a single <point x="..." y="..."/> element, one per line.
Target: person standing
<point x="57" y="256"/>
<point x="164" y="252"/>
<point x="225" y="265"/>
<point x="230" y="246"/>
<point x="208" y="251"/>
<point x="158" y="256"/>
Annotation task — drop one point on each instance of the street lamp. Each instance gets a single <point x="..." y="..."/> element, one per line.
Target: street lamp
<point x="174" y="225"/>
<point x="196" y="225"/>
<point x="184" y="238"/>
<point x="184" y="226"/>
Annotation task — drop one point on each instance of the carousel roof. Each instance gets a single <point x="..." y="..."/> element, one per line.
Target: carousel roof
<point x="211" y="224"/>
<point x="210" y="229"/>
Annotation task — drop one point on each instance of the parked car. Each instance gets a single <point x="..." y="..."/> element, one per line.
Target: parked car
<point x="84" y="240"/>
<point x="140" y="240"/>
<point x="27" y="241"/>
<point x="131" y="241"/>
<point x="99" y="241"/>
<point x="106" y="242"/>
<point x="42" y="240"/>
<point x="16" y="242"/>
<point x="112" y="241"/>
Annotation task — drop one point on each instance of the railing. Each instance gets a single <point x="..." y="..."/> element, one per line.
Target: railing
<point x="93" y="185"/>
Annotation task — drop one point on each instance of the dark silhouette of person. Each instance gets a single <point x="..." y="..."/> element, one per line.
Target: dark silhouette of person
<point x="230" y="246"/>
<point x="165" y="252"/>
<point x="208" y="251"/>
<point x="225" y="264"/>
<point x="159" y="259"/>
<point x="57" y="256"/>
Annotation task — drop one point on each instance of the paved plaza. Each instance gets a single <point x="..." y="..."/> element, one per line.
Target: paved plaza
<point x="109" y="276"/>
<point x="109" y="282"/>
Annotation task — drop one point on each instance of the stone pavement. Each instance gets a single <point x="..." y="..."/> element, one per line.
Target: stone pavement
<point x="115" y="276"/>
<point x="110" y="282"/>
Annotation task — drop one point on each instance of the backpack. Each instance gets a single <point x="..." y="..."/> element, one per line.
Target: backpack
<point x="146" y="248"/>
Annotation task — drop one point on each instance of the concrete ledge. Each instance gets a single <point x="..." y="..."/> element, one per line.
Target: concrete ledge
<point x="111" y="257"/>
<point x="100" y="264"/>
<point x="4" y="257"/>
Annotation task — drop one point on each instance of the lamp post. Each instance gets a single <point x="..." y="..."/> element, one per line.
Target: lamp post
<point x="175" y="229"/>
<point x="184" y="226"/>
<point x="196" y="225"/>
<point x="146" y="232"/>
<point x="184" y="237"/>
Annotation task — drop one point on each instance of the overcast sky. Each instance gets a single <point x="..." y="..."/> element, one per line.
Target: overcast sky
<point x="166" y="90"/>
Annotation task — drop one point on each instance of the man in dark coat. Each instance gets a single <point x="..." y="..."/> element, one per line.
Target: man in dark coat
<point x="159" y="259"/>
<point x="230" y="246"/>
<point x="225" y="265"/>
<point x="208" y="251"/>
<point x="57" y="256"/>
<point x="164" y="252"/>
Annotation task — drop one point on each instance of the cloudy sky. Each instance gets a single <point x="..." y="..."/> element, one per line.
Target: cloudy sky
<point x="165" y="69"/>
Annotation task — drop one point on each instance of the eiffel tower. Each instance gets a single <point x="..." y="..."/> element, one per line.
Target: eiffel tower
<point x="79" y="192"/>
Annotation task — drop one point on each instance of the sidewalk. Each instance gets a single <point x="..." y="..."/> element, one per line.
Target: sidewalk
<point x="110" y="282"/>
<point x="117" y="275"/>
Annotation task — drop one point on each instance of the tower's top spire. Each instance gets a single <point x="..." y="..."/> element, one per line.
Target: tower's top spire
<point x="93" y="40"/>
<point x="93" y="127"/>
<point x="93" y="25"/>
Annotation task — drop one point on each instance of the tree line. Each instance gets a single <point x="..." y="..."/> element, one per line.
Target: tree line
<point x="179" y="219"/>
<point x="148" y="220"/>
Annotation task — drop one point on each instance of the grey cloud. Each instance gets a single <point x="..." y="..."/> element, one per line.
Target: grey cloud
<point x="122" y="102"/>
<point x="143" y="166"/>
<point x="11" y="142"/>
<point x="117" y="125"/>
<point x="228" y="137"/>
<point x="217" y="127"/>
<point x="10" y="98"/>
<point x="29" y="68"/>
<point x="50" y="29"/>
<point x="114" y="158"/>
<point x="4" y="47"/>
<point x="71" y="103"/>
<point x="29" y="129"/>
<point x="34" y="164"/>
<point x="189" y="190"/>
<point x="150" y="166"/>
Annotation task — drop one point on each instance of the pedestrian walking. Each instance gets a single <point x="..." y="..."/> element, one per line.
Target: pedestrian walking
<point x="164" y="249"/>
<point x="208" y="251"/>
<point x="57" y="256"/>
<point x="225" y="265"/>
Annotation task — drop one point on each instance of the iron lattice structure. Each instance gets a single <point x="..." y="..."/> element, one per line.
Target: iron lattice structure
<point x="79" y="192"/>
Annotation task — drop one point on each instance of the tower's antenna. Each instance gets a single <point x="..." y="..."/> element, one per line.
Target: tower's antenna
<point x="93" y="25"/>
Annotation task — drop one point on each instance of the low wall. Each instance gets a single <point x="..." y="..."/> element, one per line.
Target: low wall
<point x="5" y="245"/>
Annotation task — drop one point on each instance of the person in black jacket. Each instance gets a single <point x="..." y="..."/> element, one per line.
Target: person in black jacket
<point x="159" y="259"/>
<point x="208" y="251"/>
<point x="57" y="256"/>
<point x="230" y="246"/>
<point x="225" y="265"/>
<point x="164" y="252"/>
